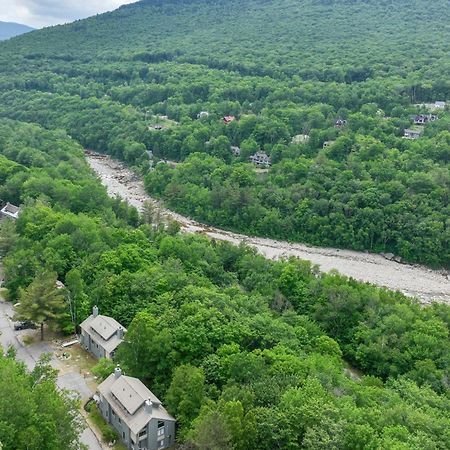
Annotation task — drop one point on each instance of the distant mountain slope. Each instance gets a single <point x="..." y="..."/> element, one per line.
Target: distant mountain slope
<point x="11" y="29"/>
<point x="282" y="35"/>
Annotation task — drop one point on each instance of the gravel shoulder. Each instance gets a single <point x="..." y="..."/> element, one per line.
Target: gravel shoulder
<point x="418" y="281"/>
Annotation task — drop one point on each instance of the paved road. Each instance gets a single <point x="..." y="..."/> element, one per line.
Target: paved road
<point x="30" y="355"/>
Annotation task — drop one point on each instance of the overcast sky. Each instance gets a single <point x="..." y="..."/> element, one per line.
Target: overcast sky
<point x="42" y="13"/>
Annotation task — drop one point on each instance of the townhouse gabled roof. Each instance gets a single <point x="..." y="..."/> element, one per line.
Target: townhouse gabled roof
<point x="132" y="401"/>
<point x="104" y="331"/>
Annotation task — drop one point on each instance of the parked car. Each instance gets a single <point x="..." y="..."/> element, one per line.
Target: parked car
<point x="25" y="325"/>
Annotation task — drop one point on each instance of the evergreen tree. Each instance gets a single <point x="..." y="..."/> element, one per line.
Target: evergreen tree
<point x="42" y="301"/>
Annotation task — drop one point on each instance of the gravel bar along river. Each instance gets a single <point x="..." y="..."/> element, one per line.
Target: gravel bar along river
<point x="426" y="284"/>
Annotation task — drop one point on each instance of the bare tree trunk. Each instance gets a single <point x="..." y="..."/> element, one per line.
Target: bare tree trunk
<point x="42" y="331"/>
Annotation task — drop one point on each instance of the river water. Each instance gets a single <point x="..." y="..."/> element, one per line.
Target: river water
<point x="426" y="284"/>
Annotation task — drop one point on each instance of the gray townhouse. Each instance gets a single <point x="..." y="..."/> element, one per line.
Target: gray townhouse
<point x="101" y="335"/>
<point x="135" y="412"/>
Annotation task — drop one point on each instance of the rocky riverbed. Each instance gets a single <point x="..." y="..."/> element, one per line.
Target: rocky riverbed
<point x="426" y="284"/>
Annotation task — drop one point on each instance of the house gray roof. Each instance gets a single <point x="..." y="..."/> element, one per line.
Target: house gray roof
<point x="11" y="211"/>
<point x="103" y="330"/>
<point x="127" y="397"/>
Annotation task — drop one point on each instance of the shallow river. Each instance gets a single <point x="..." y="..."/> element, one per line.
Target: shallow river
<point x="413" y="280"/>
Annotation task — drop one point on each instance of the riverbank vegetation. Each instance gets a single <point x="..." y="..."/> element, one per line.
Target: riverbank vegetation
<point x="257" y="350"/>
<point x="347" y="75"/>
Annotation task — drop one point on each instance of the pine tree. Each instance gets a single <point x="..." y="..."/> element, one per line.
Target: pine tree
<point x="42" y="301"/>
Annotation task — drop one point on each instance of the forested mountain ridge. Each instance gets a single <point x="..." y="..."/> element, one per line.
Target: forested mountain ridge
<point x="11" y="29"/>
<point x="111" y="79"/>
<point x="267" y="354"/>
<point x="366" y="36"/>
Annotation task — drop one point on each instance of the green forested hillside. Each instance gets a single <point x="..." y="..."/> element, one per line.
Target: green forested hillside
<point x="283" y="69"/>
<point x="336" y="40"/>
<point x="255" y="350"/>
<point x="267" y="354"/>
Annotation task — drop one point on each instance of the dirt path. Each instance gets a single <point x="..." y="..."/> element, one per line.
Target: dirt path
<point x="426" y="284"/>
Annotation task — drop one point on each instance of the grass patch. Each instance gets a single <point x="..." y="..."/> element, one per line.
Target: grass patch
<point x="109" y="434"/>
<point x="80" y="359"/>
<point x="27" y="340"/>
<point x="119" y="446"/>
<point x="4" y="294"/>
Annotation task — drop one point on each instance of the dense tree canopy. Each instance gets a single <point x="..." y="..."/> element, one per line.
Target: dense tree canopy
<point x="135" y="81"/>
<point x="34" y="413"/>
<point x="267" y="355"/>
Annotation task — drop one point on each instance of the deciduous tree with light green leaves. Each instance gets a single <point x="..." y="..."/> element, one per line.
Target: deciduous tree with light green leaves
<point x="34" y="412"/>
<point x="186" y="394"/>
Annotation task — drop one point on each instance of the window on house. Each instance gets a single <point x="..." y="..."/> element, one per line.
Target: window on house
<point x="161" y="444"/>
<point x="123" y="434"/>
<point x="143" y="432"/>
<point x="113" y="413"/>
